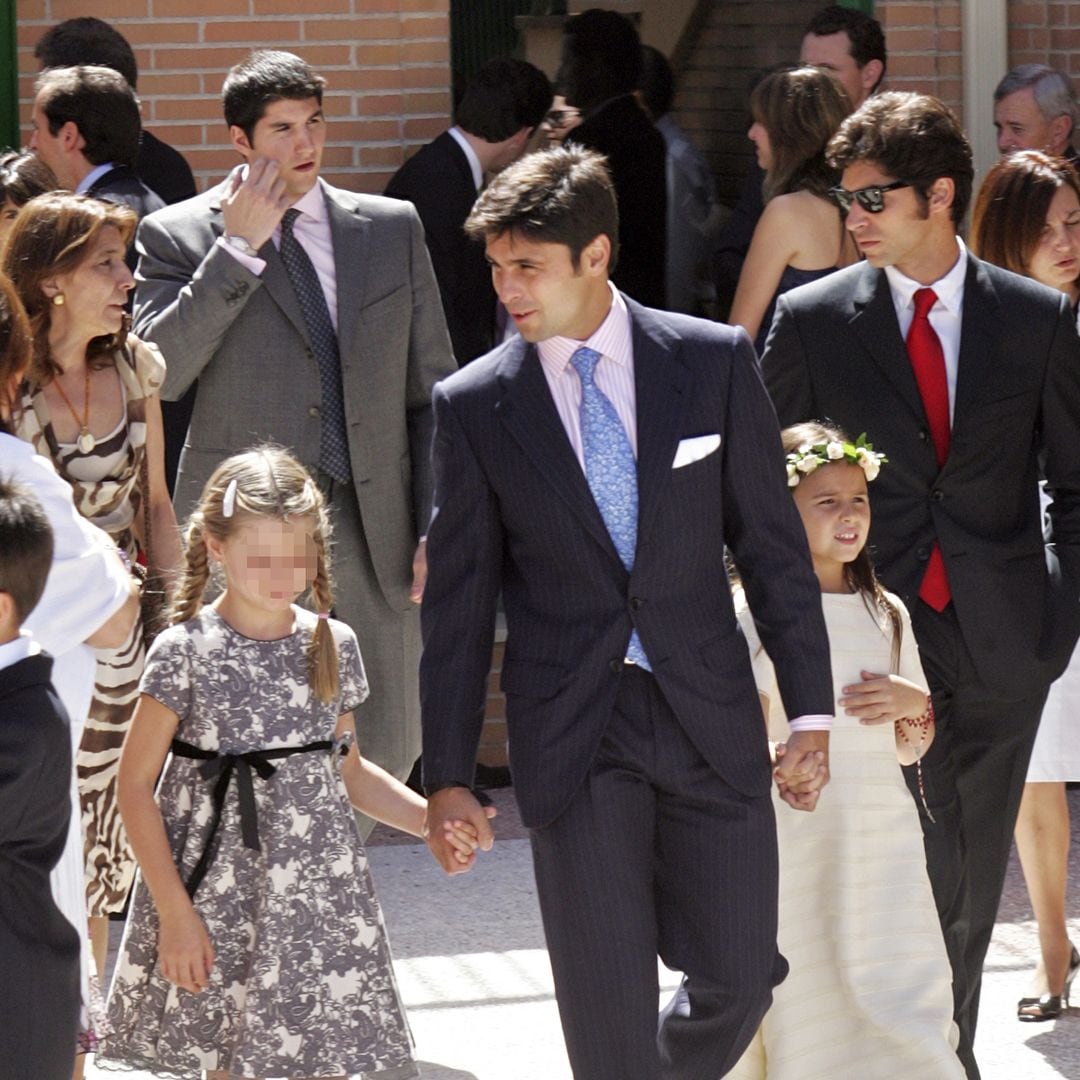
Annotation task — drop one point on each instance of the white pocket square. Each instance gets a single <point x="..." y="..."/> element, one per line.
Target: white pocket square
<point x="694" y="449"/>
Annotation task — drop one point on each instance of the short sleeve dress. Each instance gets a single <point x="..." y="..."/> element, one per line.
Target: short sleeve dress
<point x="303" y="983"/>
<point x="869" y="992"/>
<point x="106" y="487"/>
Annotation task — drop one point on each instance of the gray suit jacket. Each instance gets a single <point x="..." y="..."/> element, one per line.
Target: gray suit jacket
<point x="243" y="337"/>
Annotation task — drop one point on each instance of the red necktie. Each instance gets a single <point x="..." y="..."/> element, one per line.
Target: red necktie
<point x="928" y="363"/>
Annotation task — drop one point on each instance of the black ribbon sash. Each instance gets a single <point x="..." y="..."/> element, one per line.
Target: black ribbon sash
<point x="225" y="767"/>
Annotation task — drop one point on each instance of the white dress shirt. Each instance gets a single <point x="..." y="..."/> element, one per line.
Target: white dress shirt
<point x="312" y="229"/>
<point x="474" y="162"/>
<point x="946" y="316"/>
<point x="18" y="648"/>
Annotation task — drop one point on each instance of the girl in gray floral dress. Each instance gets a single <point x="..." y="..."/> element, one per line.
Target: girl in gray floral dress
<point x="255" y="945"/>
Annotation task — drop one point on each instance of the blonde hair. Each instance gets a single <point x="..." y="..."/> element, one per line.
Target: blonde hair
<point x="269" y="482"/>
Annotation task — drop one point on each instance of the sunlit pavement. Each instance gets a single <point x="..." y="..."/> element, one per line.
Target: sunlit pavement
<point x="470" y="959"/>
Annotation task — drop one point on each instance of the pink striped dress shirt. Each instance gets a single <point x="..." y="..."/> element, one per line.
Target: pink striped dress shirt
<point x="614" y="373"/>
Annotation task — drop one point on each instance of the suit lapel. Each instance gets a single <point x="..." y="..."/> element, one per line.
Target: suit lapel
<point x="659" y="382"/>
<point x="528" y="411"/>
<point x="873" y="321"/>
<point x="350" y="234"/>
<point x="978" y="334"/>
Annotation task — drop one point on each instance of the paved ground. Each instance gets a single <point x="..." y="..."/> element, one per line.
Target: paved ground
<point x="470" y="958"/>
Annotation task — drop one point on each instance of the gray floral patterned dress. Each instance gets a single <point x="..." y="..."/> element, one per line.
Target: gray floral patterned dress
<point x="303" y="983"/>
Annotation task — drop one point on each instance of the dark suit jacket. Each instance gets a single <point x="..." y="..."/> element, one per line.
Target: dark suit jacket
<point x="637" y="159"/>
<point x="121" y="185"/>
<point x="835" y="351"/>
<point x="164" y="170"/>
<point x="38" y="946"/>
<point x="514" y="511"/>
<point x="438" y="181"/>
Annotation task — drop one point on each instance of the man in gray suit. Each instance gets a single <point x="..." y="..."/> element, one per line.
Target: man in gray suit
<point x="311" y="317"/>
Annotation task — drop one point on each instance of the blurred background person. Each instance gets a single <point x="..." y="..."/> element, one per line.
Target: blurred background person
<point x="1035" y="109"/>
<point x="22" y="176"/>
<point x="560" y="120"/>
<point x="693" y="207"/>
<point x="600" y="72"/>
<point x="801" y="235"/>
<point x="86" y="40"/>
<point x="1027" y="219"/>
<point x="503" y="105"/>
<point x="851" y="45"/>
<point x="90" y="405"/>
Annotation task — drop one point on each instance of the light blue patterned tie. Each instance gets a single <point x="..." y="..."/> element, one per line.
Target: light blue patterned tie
<point x="611" y="471"/>
<point x="334" y="439"/>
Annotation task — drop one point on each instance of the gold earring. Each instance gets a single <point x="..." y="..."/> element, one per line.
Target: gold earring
<point x="58" y="299"/>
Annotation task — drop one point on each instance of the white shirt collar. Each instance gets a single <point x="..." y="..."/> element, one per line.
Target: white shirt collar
<point x="949" y="288"/>
<point x="612" y="338"/>
<point x="474" y="162"/>
<point x="18" y="649"/>
<point x="92" y="177"/>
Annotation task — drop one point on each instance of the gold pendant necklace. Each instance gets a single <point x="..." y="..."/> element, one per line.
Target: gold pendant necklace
<point x="85" y="440"/>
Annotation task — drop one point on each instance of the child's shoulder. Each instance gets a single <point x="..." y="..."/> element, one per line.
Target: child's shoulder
<point x="183" y="637"/>
<point x="897" y="603"/>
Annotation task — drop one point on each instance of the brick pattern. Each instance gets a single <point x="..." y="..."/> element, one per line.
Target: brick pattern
<point x="387" y="64"/>
<point x="1045" y="32"/>
<point x="923" y="38"/>
<point x="736" y="39"/>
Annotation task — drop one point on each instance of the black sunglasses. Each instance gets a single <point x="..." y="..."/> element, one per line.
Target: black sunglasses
<point x="871" y="199"/>
<point x="558" y="117"/>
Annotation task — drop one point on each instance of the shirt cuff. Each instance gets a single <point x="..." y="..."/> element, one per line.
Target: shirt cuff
<point x="252" y="262"/>
<point x="812" y="722"/>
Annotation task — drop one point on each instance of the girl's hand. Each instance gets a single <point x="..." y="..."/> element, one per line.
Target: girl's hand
<point x="883" y="699"/>
<point x="185" y="954"/>
<point x="462" y="837"/>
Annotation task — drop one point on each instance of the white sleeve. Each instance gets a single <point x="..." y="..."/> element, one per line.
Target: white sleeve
<point x="910" y="666"/>
<point x="87" y="583"/>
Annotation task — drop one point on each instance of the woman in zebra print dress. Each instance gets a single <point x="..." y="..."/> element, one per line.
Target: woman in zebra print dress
<point x="90" y="405"/>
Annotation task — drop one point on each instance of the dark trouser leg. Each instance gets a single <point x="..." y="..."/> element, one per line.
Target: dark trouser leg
<point x="656" y="854"/>
<point x="974" y="777"/>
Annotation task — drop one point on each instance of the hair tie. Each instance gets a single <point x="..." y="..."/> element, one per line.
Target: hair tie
<point x="324" y="614"/>
<point x="228" y="504"/>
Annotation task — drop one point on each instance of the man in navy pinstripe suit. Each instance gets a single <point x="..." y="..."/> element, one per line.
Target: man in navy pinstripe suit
<point x="645" y="784"/>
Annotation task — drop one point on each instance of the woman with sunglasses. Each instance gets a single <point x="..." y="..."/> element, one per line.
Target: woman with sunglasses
<point x="801" y="235"/>
<point x="1027" y="219"/>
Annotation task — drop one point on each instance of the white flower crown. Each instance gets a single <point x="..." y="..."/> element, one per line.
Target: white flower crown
<point x="810" y="456"/>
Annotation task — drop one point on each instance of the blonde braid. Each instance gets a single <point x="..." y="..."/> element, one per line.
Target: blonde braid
<point x="322" y="653"/>
<point x="192" y="585"/>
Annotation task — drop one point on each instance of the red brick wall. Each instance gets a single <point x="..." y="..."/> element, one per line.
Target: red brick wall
<point x="387" y="63"/>
<point x="1046" y="32"/>
<point x="736" y="39"/>
<point x="923" y="39"/>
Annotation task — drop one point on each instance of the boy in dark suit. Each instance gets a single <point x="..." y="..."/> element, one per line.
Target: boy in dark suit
<point x="39" y="1000"/>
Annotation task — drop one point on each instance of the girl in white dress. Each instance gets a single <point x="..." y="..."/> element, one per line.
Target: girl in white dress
<point x="869" y="991"/>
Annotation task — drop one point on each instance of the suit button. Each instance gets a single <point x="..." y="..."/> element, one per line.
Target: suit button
<point x="313" y="411"/>
<point x="922" y="553"/>
<point x="616" y="666"/>
<point x="635" y="603"/>
<point x="937" y="494"/>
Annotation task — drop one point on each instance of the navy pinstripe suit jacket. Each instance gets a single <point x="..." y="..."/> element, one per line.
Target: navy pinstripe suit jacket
<point x="514" y="513"/>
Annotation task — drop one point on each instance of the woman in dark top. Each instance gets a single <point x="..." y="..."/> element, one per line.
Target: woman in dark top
<point x="801" y="235"/>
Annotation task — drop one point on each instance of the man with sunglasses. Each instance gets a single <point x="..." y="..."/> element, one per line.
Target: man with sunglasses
<point x="967" y="376"/>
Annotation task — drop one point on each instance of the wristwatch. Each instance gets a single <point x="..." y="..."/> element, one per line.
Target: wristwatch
<point x="241" y="244"/>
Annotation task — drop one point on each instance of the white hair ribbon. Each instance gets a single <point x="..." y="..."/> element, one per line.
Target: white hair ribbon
<point x="228" y="504"/>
